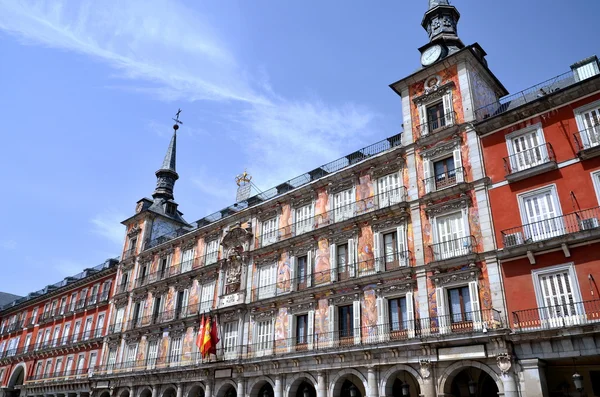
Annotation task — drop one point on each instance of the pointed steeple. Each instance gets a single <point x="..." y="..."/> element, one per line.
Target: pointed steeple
<point x="166" y="175"/>
<point x="435" y="3"/>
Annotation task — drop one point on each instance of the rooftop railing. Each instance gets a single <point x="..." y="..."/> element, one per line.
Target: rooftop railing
<point x="529" y="158"/>
<point x="565" y="314"/>
<point x="339" y="214"/>
<point x="578" y="221"/>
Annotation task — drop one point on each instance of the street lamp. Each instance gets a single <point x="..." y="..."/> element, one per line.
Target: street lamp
<point x="306" y="393"/>
<point x="353" y="391"/>
<point x="578" y="380"/>
<point x="472" y="387"/>
<point x="405" y="389"/>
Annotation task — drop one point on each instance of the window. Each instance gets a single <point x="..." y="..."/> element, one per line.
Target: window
<point x="458" y="306"/>
<point x="163" y="266"/>
<point x="343" y="205"/>
<point x="342" y="257"/>
<point x="540" y="212"/>
<point x="93" y="360"/>
<point x="302" y="329"/>
<point x="301" y="271"/>
<point x="137" y="312"/>
<point x="389" y="190"/>
<point x="390" y="249"/>
<point x="94" y="295"/>
<point x="586" y="70"/>
<point x="63" y="305"/>
<point x="398" y="314"/>
<point x="266" y="281"/>
<point x="558" y="296"/>
<point x="34" y="315"/>
<point x="87" y="330"/>
<point x="112" y="357"/>
<point x="304" y="219"/>
<point x="55" y="336"/>
<point x="181" y="303"/>
<point x="54" y="307"/>
<point x="212" y="251"/>
<point x="395" y="317"/>
<point x="119" y="319"/>
<point x="442" y="171"/>
<point x="451" y="240"/>
<point x="106" y="290"/>
<point x="47" y="368"/>
<point x="175" y="355"/>
<point x="345" y="321"/>
<point x="46" y="337"/>
<point x="27" y="343"/>
<point x="230" y="338"/>
<point x="588" y="122"/>
<point x="76" y="330"/>
<point x="152" y="353"/>
<point x="130" y="355"/>
<point x="82" y="298"/>
<point x="435" y="116"/>
<point x="80" y="364"/>
<point x="73" y="301"/>
<point x="157" y="308"/>
<point x="100" y="325"/>
<point x="207" y="297"/>
<point x="526" y="149"/>
<point x="65" y="335"/>
<point x="69" y="366"/>
<point x="142" y="274"/>
<point x="342" y="261"/>
<point x="58" y="366"/>
<point x="38" y="369"/>
<point x="264" y="336"/>
<point x="187" y="260"/>
<point x="269" y="231"/>
<point x="596" y="181"/>
<point x="38" y="340"/>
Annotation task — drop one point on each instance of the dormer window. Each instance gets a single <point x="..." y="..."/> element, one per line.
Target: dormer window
<point x="585" y="69"/>
<point x="170" y="209"/>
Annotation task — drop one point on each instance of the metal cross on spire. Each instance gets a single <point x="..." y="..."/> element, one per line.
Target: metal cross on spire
<point x="176" y="119"/>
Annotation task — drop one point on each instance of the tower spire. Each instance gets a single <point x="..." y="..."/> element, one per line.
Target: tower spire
<point x="440" y="22"/>
<point x="167" y="174"/>
<point x="435" y="3"/>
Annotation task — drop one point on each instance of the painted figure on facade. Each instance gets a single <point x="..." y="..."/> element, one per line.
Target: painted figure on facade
<point x="281" y="326"/>
<point x="364" y="194"/>
<point x="188" y="344"/>
<point x="365" y="250"/>
<point x="322" y="263"/>
<point x="283" y="273"/>
<point x="321" y="216"/>
<point x="285" y="221"/>
<point x="322" y="320"/>
<point x="369" y="313"/>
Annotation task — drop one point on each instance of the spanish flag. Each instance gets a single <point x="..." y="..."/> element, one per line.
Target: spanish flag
<point x="200" y="337"/>
<point x="214" y="338"/>
<point x="206" y="346"/>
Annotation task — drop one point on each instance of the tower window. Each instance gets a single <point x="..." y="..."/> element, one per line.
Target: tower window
<point x="435" y="116"/>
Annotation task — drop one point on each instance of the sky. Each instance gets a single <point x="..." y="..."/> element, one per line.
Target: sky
<point x="88" y="90"/>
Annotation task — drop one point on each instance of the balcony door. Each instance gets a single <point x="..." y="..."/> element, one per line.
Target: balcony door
<point x="450" y="237"/>
<point x="527" y="151"/>
<point x="541" y="215"/>
<point x="558" y="297"/>
<point x="590" y="121"/>
<point x="388" y="190"/>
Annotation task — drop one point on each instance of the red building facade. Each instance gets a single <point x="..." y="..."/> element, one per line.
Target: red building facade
<point x="51" y="339"/>
<point x="542" y="154"/>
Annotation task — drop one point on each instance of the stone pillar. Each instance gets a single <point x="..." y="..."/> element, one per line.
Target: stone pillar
<point x="371" y="382"/>
<point x="208" y="389"/>
<point x="278" y="391"/>
<point x="154" y="390"/>
<point x="240" y="387"/>
<point x="534" y="378"/>
<point x="510" y="386"/>
<point x="179" y="390"/>
<point x="428" y="388"/>
<point x="321" y="385"/>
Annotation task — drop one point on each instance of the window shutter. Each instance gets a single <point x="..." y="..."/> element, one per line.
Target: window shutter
<point x="442" y="306"/>
<point x="428" y="180"/>
<point x="184" y="304"/>
<point x="333" y="325"/>
<point x="377" y="251"/>
<point x="448" y="108"/>
<point x="383" y="322"/>
<point x="356" y="315"/>
<point x="309" y="268"/>
<point x="311" y="329"/>
<point x="352" y="265"/>
<point x="475" y="306"/>
<point x="291" y="334"/>
<point x="410" y="314"/>
<point x="293" y="272"/>
<point x="402" y="246"/>
<point x="458" y="165"/>
<point x="333" y="261"/>
<point x="423" y="120"/>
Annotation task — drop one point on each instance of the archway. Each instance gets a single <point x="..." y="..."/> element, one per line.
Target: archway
<point x="169" y="391"/>
<point x="145" y="392"/>
<point x="196" y="391"/>
<point x="393" y="380"/>
<point x="473" y="382"/>
<point x="261" y="386"/>
<point x="298" y="383"/>
<point x="124" y="393"/>
<point x="227" y="390"/>
<point x="16" y="380"/>
<point x="105" y="393"/>
<point x="349" y="383"/>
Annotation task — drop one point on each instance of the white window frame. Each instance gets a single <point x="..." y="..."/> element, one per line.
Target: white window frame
<point x="175" y="347"/>
<point x="401" y="246"/>
<point x="230" y="339"/>
<point x="334" y="325"/>
<point x="343" y="210"/>
<point x="65" y="335"/>
<point x="310" y="330"/>
<point x="589" y="68"/>
<point x="388" y="195"/>
<point x="269" y="231"/>
<point x="446" y="100"/>
<point x="267" y="280"/>
<point x="69" y="364"/>
<point x="76" y="331"/>
<point x="26" y="344"/>
<point x="207" y="296"/>
<point x="587" y="141"/>
<point x="55" y="336"/>
<point x="58" y="365"/>
<point x="92" y="362"/>
<point x="541" y="143"/>
<point x="119" y="317"/>
<point x="263" y="336"/>
<point x="443" y="305"/>
<point x="294" y="275"/>
<point x="152" y="354"/>
<point x="111" y="359"/>
<point x="87" y="333"/>
<point x="530" y="232"/>
<point x="212" y="253"/>
<point x="130" y="354"/>
<point x="100" y="324"/>
<point x="304" y="218"/>
<point x="456" y="250"/>
<point x="596" y="183"/>
<point x="429" y="168"/>
<point x="187" y="259"/>
<point x="79" y="368"/>
<point x="548" y="320"/>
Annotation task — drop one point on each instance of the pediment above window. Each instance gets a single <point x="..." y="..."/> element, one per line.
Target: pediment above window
<point x="459" y="203"/>
<point x="471" y="273"/>
<point x="340" y="186"/>
<point x="443" y="148"/>
<point x="269" y="258"/>
<point x="388" y="223"/>
<point x="387" y="168"/>
<point x="305" y="199"/>
<point x="301" y="308"/>
<point x="263" y="315"/>
<point x="268" y="213"/>
<point x="230" y="315"/>
<point x="344" y="299"/>
<point x="301" y="250"/>
<point x="341" y="237"/>
<point x="397" y="288"/>
<point x="436" y="91"/>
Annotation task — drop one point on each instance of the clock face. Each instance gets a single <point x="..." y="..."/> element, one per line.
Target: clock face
<point x="431" y="55"/>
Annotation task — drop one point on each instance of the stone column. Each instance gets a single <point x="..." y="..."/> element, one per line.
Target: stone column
<point x="179" y="390"/>
<point x="240" y="387"/>
<point x="208" y="389"/>
<point x="428" y="389"/>
<point x="321" y="385"/>
<point x="278" y="391"/>
<point x="510" y="386"/>
<point x="154" y="390"/>
<point x="534" y="378"/>
<point x="371" y="382"/>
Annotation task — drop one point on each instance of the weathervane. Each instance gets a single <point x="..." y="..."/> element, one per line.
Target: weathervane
<point x="176" y="120"/>
<point x="243" y="179"/>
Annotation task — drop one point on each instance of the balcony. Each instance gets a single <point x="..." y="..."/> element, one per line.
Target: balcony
<point x="130" y="253"/>
<point x="443" y="184"/>
<point x="530" y="162"/>
<point x="17" y="325"/>
<point x="588" y="142"/>
<point x="567" y="314"/>
<point x="472" y="324"/>
<point x="343" y="213"/>
<point x="174" y="270"/>
<point x="436" y="128"/>
<point x="60" y="376"/>
<point x="154" y="319"/>
<point x="577" y="226"/>
<point x="453" y="252"/>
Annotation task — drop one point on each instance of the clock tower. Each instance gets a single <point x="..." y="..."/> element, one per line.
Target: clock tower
<point x="440" y="22"/>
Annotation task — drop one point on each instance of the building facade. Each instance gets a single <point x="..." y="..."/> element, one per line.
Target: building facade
<point x="51" y="340"/>
<point x="542" y="155"/>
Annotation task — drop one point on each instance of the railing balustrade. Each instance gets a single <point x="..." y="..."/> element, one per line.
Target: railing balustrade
<point x="565" y="314"/>
<point x="444" y="180"/>
<point x="578" y="221"/>
<point x="587" y="138"/>
<point x="436" y="124"/>
<point x="529" y="158"/>
<point x="453" y="248"/>
<point x="129" y="253"/>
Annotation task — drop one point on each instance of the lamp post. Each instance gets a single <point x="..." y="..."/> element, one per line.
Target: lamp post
<point x="472" y="387"/>
<point x="578" y="381"/>
<point x="353" y="391"/>
<point x="405" y="389"/>
<point x="306" y="393"/>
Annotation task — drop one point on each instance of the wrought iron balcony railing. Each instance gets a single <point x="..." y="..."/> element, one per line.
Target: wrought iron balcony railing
<point x="436" y="124"/>
<point x="173" y="270"/>
<point x="471" y="323"/>
<point x="564" y="314"/>
<point x="60" y="376"/>
<point x="453" y="248"/>
<point x="444" y="180"/>
<point x="529" y="158"/>
<point x="129" y="253"/>
<point x="13" y="327"/>
<point x="578" y="221"/>
<point x="340" y="214"/>
<point x="588" y="138"/>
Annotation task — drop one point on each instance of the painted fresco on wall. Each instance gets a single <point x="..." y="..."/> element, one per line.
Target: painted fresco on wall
<point x="199" y="254"/>
<point x="474" y="226"/>
<point x="170" y="300"/>
<point x="322" y="320"/>
<point x="283" y="273"/>
<point x="175" y="261"/>
<point x="163" y="348"/>
<point x="369" y="313"/>
<point x="366" y="257"/>
<point x="281" y="326"/>
<point x="431" y="298"/>
<point x="364" y="194"/>
<point x="483" y="95"/>
<point x="321" y="205"/>
<point x="194" y="297"/>
<point x="188" y="344"/>
<point x="485" y="294"/>
<point x="322" y="272"/>
<point x="465" y="159"/>
<point x="285" y="221"/>
<point x="141" y="351"/>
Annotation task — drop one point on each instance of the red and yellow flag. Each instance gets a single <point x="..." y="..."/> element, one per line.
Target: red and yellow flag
<point x="200" y="337"/>
<point x="214" y="338"/>
<point x="206" y="340"/>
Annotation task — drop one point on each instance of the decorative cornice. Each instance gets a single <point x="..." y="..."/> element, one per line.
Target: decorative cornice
<point x="300" y="201"/>
<point x="301" y="308"/>
<point x="212" y="236"/>
<point x="182" y="284"/>
<point x="159" y="289"/>
<point x="139" y="296"/>
<point x="437" y="91"/>
<point x="344" y="184"/>
<point x="134" y="231"/>
<point x="230" y="315"/>
<point x="385" y="224"/>
<point x="188" y="244"/>
<point x="130" y="337"/>
<point x="176" y="332"/>
<point x="269" y="258"/>
<point x="452" y="277"/>
<point x="442" y="148"/>
<point x="121" y="301"/>
<point x="461" y="202"/>
<point x="301" y="249"/>
<point x="265" y="214"/>
<point x="403" y="287"/>
<point x="387" y="168"/>
<point x="165" y="252"/>
<point x="152" y="336"/>
<point x="263" y="315"/>
<point x="341" y="237"/>
<point x="337" y="300"/>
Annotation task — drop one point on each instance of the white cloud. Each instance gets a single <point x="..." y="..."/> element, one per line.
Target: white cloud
<point x="163" y="49"/>
<point x="108" y="225"/>
<point x="8" y="244"/>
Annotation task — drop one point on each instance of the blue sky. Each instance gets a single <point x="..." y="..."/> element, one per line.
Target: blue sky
<point x="88" y="89"/>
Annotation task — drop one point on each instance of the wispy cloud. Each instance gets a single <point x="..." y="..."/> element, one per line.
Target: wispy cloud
<point x="164" y="49"/>
<point x="8" y="244"/>
<point x="108" y="225"/>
